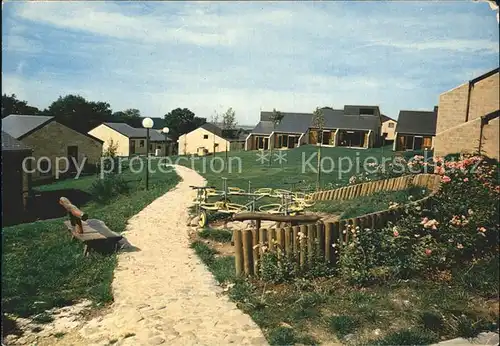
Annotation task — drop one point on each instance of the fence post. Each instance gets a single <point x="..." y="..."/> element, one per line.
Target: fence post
<point x="238" y="252"/>
<point x="328" y="241"/>
<point x="288" y="241"/>
<point x="336" y="194"/>
<point x="270" y="238"/>
<point x="247" y="252"/>
<point x="295" y="239"/>
<point x="303" y="245"/>
<point x="336" y="239"/>
<point x="311" y="233"/>
<point x="256" y="251"/>
<point x="320" y="236"/>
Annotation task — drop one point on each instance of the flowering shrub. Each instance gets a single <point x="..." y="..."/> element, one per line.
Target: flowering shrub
<point x="459" y="225"/>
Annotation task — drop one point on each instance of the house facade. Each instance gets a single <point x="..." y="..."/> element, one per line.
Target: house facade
<point x="16" y="182"/>
<point x="130" y="140"/>
<point x="353" y="126"/>
<point x="468" y="117"/>
<point x="51" y="140"/>
<point x="415" y="130"/>
<point x="388" y="131"/>
<point x="208" y="138"/>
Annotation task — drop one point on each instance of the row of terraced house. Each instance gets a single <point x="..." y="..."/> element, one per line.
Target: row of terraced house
<point x="465" y="120"/>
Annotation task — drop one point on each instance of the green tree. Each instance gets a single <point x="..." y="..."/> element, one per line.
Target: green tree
<point x="76" y="112"/>
<point x="276" y="118"/>
<point x="318" y="122"/>
<point x="181" y="121"/>
<point x="229" y="119"/>
<point x="11" y="105"/>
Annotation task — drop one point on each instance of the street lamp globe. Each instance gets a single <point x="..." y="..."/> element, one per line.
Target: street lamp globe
<point x="147" y="123"/>
<point x="165" y="130"/>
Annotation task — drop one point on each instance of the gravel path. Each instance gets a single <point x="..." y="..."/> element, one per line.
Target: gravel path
<point x="163" y="294"/>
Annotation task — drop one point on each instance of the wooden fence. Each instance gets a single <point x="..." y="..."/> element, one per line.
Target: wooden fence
<point x="430" y="181"/>
<point x="324" y="239"/>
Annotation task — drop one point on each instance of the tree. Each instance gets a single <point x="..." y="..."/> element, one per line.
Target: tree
<point x="132" y="113"/>
<point x="76" y="112"/>
<point x="318" y="122"/>
<point x="276" y="118"/>
<point x="229" y="119"/>
<point x="11" y="105"/>
<point x="215" y="118"/>
<point x="181" y="121"/>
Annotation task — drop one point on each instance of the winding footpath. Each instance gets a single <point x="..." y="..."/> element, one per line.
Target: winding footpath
<point x="163" y="293"/>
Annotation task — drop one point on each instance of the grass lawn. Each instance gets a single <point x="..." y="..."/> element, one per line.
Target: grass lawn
<point x="368" y="204"/>
<point x="43" y="268"/>
<point x="312" y="311"/>
<point x="244" y="167"/>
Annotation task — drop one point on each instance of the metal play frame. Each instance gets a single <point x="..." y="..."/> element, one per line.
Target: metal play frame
<point x="292" y="203"/>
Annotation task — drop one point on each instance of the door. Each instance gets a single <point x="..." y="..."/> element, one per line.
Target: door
<point x="326" y="137"/>
<point x="408" y="143"/>
<point x="72" y="158"/>
<point x="291" y="142"/>
<point x="313" y="137"/>
<point x="132" y="147"/>
<point x="266" y="143"/>
<point x="417" y="144"/>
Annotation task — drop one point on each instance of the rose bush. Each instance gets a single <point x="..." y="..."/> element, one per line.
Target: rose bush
<point x="459" y="225"/>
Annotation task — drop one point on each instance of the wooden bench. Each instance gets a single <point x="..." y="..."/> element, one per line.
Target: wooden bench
<point x="93" y="233"/>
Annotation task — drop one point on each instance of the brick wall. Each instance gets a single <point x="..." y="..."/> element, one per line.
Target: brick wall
<point x="463" y="138"/>
<point x="454" y="135"/>
<point x="491" y="143"/>
<point x="484" y="97"/>
<point x="53" y="140"/>
<point x="452" y="108"/>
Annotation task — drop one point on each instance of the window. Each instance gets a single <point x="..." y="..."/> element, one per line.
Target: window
<point x="141" y="143"/>
<point x="366" y="111"/>
<point x="150" y="147"/>
<point x="205" y="136"/>
<point x="391" y="125"/>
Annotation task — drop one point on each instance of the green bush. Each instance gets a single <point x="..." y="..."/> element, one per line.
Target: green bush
<point x="454" y="230"/>
<point x="282" y="336"/>
<point x="342" y="325"/>
<point x="276" y="267"/>
<point x="109" y="187"/>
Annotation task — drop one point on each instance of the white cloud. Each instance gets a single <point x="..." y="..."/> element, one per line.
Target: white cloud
<point x="249" y="56"/>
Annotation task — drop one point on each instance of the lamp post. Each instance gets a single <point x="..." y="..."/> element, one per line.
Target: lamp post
<point x="147" y="123"/>
<point x="165" y="131"/>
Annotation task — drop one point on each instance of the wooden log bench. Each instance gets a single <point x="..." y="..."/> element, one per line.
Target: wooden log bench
<point x="93" y="233"/>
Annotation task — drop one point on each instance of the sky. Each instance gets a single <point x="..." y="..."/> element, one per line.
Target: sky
<point x="251" y="56"/>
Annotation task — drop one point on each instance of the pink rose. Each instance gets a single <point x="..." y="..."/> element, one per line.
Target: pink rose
<point x="396" y="233"/>
<point x="445" y="179"/>
<point x="428" y="252"/>
<point x="466" y="179"/>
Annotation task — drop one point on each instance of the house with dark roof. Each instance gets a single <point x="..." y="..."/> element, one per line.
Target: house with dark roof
<point x="415" y="130"/>
<point x="52" y="144"/>
<point x="352" y="126"/>
<point x="16" y="182"/>
<point x="211" y="138"/>
<point x="468" y="118"/>
<point x="129" y="141"/>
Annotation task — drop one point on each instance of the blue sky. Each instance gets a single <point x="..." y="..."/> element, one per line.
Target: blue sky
<point x="208" y="56"/>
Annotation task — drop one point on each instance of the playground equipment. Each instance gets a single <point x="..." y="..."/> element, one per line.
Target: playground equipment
<point x="292" y="203"/>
